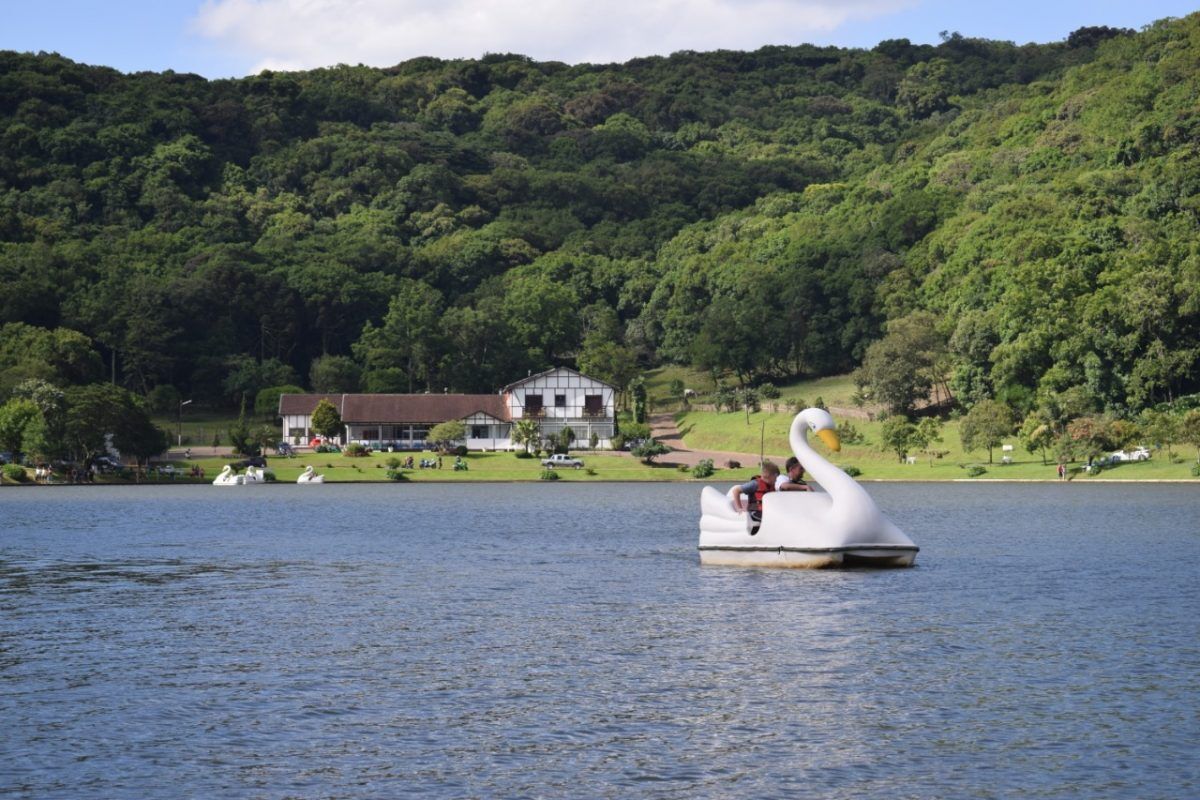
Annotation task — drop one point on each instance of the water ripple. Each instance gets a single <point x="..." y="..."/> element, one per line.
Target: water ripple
<point x="530" y="641"/>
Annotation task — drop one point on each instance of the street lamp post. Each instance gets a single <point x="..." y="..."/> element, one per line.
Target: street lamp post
<point x="179" y="422"/>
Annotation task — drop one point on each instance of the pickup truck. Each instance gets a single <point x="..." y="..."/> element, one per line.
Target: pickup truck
<point x="561" y="460"/>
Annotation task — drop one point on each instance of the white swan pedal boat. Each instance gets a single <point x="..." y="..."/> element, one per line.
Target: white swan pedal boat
<point x="839" y="525"/>
<point x="310" y="476"/>
<point x="230" y="478"/>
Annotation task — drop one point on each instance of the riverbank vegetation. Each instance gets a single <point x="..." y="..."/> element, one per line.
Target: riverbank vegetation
<point x="957" y="224"/>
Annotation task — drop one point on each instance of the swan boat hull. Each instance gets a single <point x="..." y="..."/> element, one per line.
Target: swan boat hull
<point x="808" y="558"/>
<point x="791" y="534"/>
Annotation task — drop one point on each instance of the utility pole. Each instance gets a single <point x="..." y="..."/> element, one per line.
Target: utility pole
<point x="179" y="422"/>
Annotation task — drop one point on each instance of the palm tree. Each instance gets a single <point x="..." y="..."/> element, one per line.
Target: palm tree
<point x="527" y="432"/>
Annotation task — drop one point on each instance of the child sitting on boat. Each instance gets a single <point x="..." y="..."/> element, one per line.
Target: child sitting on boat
<point x="755" y="489"/>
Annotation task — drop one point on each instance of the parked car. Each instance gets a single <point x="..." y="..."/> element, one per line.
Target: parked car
<point x="106" y="463"/>
<point x="562" y="460"/>
<point x="1137" y="454"/>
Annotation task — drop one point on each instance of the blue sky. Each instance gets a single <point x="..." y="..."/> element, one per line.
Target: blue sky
<point x="221" y="38"/>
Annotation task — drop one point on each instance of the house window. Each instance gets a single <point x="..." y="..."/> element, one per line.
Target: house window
<point x="479" y="431"/>
<point x="533" y="405"/>
<point x="560" y="401"/>
<point x="593" y="405"/>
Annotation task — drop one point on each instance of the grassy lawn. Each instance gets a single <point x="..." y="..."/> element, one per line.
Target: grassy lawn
<point x="659" y="380"/>
<point x="199" y="427"/>
<point x="482" y="466"/>
<point x="835" y="390"/>
<point x="705" y="430"/>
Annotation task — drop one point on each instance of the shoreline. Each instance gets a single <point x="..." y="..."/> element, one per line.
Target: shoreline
<point x="467" y="481"/>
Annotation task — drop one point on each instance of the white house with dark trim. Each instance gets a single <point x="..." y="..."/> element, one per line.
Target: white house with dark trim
<point x="557" y="398"/>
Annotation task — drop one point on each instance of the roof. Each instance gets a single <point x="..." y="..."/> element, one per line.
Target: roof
<point x="303" y="404"/>
<point x="431" y="408"/>
<point x="544" y="373"/>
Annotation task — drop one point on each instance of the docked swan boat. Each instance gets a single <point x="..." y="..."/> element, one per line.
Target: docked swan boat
<point x="838" y="525"/>
<point x="229" y="478"/>
<point x="310" y="476"/>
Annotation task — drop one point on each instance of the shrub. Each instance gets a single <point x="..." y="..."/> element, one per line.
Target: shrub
<point x="1195" y="470"/>
<point x="15" y="472"/>
<point x="704" y="469"/>
<point x="460" y="451"/>
<point x="395" y="475"/>
<point x="549" y="475"/>
<point x="618" y="442"/>
<point x="975" y="470"/>
<point x="393" y="463"/>
<point x="848" y="434"/>
<point x="524" y="454"/>
<point x="853" y="472"/>
<point x="589" y="471"/>
<point x="356" y="450"/>
<point x="648" y="451"/>
<point x="268" y="476"/>
<point x="731" y="464"/>
<point x="684" y="468"/>
<point x="769" y="391"/>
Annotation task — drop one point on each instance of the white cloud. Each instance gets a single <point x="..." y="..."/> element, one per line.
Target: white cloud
<point x="300" y="34"/>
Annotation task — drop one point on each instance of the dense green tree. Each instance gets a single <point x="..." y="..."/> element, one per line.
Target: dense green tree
<point x="898" y="434"/>
<point x="266" y="402"/>
<point x="445" y="435"/>
<point x="334" y="375"/>
<point x="247" y="377"/>
<point x="900" y="370"/>
<point x="326" y="420"/>
<point x="407" y="343"/>
<point x="1038" y="201"/>
<point x="99" y="413"/>
<point x="1189" y="430"/>
<point x="1037" y="434"/>
<point x="15" y="417"/>
<point x="985" y="426"/>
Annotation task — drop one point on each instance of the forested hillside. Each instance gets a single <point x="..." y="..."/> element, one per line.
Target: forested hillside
<point x="1031" y="211"/>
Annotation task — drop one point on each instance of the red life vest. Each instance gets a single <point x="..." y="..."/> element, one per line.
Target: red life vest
<point x="764" y="486"/>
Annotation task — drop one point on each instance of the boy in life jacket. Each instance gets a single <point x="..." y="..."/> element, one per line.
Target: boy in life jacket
<point x="754" y="490"/>
<point x="792" y="479"/>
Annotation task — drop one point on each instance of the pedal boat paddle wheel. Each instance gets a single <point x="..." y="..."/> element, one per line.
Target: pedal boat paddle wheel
<point x="836" y="525"/>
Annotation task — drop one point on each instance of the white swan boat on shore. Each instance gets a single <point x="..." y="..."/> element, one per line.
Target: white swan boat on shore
<point x="229" y="478"/>
<point x="839" y="525"/>
<point x="309" y="476"/>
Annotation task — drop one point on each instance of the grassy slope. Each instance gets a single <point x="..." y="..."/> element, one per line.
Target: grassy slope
<point x="705" y="430"/>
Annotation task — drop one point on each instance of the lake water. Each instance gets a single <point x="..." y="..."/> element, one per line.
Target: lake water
<point x="507" y="641"/>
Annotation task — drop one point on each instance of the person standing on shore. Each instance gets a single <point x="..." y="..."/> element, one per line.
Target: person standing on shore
<point x="1062" y="471"/>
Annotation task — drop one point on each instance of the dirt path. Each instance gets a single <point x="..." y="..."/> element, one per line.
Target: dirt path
<point x="664" y="429"/>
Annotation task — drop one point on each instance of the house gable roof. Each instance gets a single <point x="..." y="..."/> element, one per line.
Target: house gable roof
<point x="516" y="384"/>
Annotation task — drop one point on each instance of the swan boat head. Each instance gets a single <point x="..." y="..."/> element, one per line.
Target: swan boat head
<point x="820" y="422"/>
